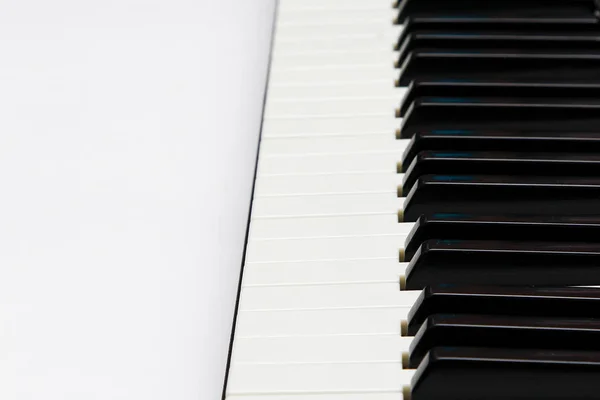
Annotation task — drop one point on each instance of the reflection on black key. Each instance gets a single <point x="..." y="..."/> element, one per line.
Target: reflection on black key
<point x="479" y="64"/>
<point x="569" y="114"/>
<point x="500" y="163"/>
<point x="483" y="24"/>
<point x="458" y="226"/>
<point x="459" y="373"/>
<point x="481" y="262"/>
<point x="465" y="40"/>
<point x="531" y="10"/>
<point x="472" y="140"/>
<point x="559" y="302"/>
<point x="480" y="330"/>
<point x="486" y="195"/>
<point x="533" y="88"/>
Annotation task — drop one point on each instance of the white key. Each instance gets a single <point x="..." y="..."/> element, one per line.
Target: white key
<point x="328" y="164"/>
<point x="323" y="205"/>
<point x="378" y="31"/>
<point x="327" y="74"/>
<point x="322" y="396"/>
<point x="356" y="144"/>
<point x="374" y="16"/>
<point x="324" y="272"/>
<point x="347" y="57"/>
<point x="321" y="349"/>
<point x="332" y="107"/>
<point x="376" y="88"/>
<point x="282" y="126"/>
<point x="348" y="321"/>
<point x="323" y="227"/>
<point x="328" y="184"/>
<point x="325" y="296"/>
<point x="350" y="42"/>
<point x="331" y="248"/>
<point x="317" y="378"/>
<point x="298" y="5"/>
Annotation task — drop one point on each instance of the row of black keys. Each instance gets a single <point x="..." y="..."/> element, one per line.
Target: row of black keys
<point x="478" y="39"/>
<point x="505" y="343"/>
<point x="530" y="70"/>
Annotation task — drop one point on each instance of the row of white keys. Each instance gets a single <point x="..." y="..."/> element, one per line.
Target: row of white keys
<point x="320" y="307"/>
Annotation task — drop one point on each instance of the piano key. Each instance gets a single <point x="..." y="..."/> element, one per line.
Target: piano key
<point x="374" y="30"/>
<point x="281" y="126"/>
<point x="365" y="72"/>
<point x="375" y="105"/>
<point x="471" y="140"/>
<point x="457" y="39"/>
<point x="378" y="270"/>
<point x="481" y="262"/>
<point x="479" y="64"/>
<point x="348" y="144"/>
<point x="325" y="205"/>
<point x="570" y="114"/>
<point x="321" y="349"/>
<point x="557" y="302"/>
<point x="301" y="5"/>
<point x="492" y="331"/>
<point x="340" y="321"/>
<point x="315" y="184"/>
<point x="480" y="194"/>
<point x="493" y="25"/>
<point x="520" y="10"/>
<point x="330" y="226"/>
<point x="374" y="88"/>
<point x="315" y="378"/>
<point x="255" y="298"/>
<point x="381" y="16"/>
<point x="457" y="373"/>
<point x="500" y="163"/>
<point x="321" y="396"/>
<point x="498" y="88"/>
<point x="327" y="163"/>
<point x="349" y="42"/>
<point x="331" y="248"/>
<point x="456" y="226"/>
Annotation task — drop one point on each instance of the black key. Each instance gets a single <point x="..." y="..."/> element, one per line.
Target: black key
<point x="498" y="88"/>
<point x="483" y="24"/>
<point x="480" y="330"/>
<point x="498" y="195"/>
<point x="550" y="114"/>
<point x="547" y="10"/>
<point x="510" y="64"/>
<point x="472" y="140"/>
<point x="459" y="373"/>
<point x="482" y="262"/>
<point x="560" y="302"/>
<point x="457" y="226"/>
<point x="500" y="163"/>
<point x="459" y="40"/>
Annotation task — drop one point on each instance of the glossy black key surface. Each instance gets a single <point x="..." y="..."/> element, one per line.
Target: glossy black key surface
<point x="460" y="373"/>
<point x="481" y="330"/>
<point x="500" y="163"/>
<point x="481" y="262"/>
<point x="474" y="140"/>
<point x="568" y="114"/>
<point x="499" y="195"/>
<point x="457" y="226"/>
<point x="466" y="40"/>
<point x="484" y="24"/>
<point x="579" y="10"/>
<point x="510" y="64"/>
<point x="557" y="302"/>
<point x="452" y="89"/>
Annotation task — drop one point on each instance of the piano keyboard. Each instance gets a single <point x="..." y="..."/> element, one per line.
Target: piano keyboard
<point x="426" y="206"/>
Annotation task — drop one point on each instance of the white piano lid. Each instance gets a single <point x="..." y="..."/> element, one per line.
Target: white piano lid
<point x="128" y="139"/>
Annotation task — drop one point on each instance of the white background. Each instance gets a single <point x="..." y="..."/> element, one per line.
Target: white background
<point x="128" y="132"/>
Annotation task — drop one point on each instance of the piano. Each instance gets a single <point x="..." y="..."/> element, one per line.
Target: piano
<point x="425" y="221"/>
